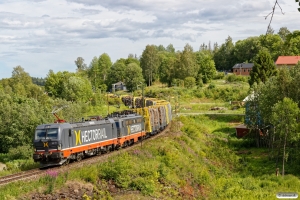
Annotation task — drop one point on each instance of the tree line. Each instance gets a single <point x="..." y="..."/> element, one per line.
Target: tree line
<point x="173" y="67"/>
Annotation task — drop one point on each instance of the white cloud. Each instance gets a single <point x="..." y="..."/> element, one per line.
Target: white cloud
<point x="50" y="34"/>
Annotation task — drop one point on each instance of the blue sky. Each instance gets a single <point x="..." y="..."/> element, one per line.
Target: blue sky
<point x="40" y="35"/>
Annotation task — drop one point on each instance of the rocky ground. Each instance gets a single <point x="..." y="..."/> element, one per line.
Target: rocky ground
<point x="77" y="190"/>
<point x="73" y="190"/>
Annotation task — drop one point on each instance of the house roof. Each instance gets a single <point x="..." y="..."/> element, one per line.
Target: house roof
<point x="241" y="126"/>
<point x="250" y="96"/>
<point x="287" y="60"/>
<point x="243" y="65"/>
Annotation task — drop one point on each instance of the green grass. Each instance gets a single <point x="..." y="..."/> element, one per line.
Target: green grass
<point x="200" y="162"/>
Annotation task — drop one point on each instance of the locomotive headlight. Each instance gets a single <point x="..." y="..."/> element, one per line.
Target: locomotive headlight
<point x="59" y="147"/>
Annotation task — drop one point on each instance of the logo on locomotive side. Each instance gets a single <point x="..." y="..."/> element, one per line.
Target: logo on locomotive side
<point x="90" y="135"/>
<point x="77" y="135"/>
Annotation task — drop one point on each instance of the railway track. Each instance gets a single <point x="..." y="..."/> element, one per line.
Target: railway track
<point x="37" y="173"/>
<point x="26" y="175"/>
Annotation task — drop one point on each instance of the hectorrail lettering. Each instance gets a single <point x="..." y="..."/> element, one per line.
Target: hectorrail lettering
<point x="90" y="135"/>
<point x="136" y="128"/>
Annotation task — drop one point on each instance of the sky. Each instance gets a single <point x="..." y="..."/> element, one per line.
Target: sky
<point x="43" y="35"/>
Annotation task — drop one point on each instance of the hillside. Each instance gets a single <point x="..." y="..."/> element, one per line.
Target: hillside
<point x="199" y="158"/>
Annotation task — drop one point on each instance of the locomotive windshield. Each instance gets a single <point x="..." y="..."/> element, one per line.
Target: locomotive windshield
<point x="51" y="133"/>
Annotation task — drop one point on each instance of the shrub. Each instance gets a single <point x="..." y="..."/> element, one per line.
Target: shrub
<point x="236" y="78"/>
<point x="146" y="186"/>
<point x="198" y="93"/>
<point x="211" y="86"/>
<point x="20" y="152"/>
<point x="189" y="82"/>
<point x="219" y="75"/>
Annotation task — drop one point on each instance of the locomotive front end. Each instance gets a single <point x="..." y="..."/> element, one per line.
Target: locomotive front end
<point x="47" y="145"/>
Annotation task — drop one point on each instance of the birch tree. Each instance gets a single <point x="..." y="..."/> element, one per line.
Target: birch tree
<point x="284" y="115"/>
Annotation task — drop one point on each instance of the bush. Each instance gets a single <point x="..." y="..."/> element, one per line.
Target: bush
<point x="219" y="75"/>
<point x="198" y="93"/>
<point x="235" y="78"/>
<point x="20" y="152"/>
<point x="189" y="82"/>
<point x="211" y="86"/>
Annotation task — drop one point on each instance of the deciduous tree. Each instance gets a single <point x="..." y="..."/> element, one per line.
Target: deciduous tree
<point x="186" y="63"/>
<point x="104" y="64"/>
<point x="284" y="116"/>
<point x="79" y="62"/>
<point x="149" y="63"/>
<point x="206" y="66"/>
<point x="133" y="76"/>
<point x="166" y="68"/>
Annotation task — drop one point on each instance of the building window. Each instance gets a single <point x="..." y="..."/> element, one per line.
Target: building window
<point x="236" y="70"/>
<point x="248" y="70"/>
<point x="244" y="70"/>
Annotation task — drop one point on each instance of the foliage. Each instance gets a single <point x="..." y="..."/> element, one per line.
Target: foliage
<point x="50" y="179"/>
<point x="118" y="70"/>
<point x="223" y="57"/>
<point x="273" y="43"/>
<point x="186" y="65"/>
<point x="245" y="50"/>
<point x="292" y="43"/>
<point x="189" y="82"/>
<point x="149" y="63"/>
<point x="94" y="73"/>
<point x="68" y="86"/>
<point x="38" y="81"/>
<point x="77" y="89"/>
<point x="104" y="64"/>
<point x="284" y="117"/>
<point x="206" y="66"/>
<point x="219" y="75"/>
<point x="54" y="82"/>
<point x="235" y="78"/>
<point x="81" y="66"/>
<point x="21" y="84"/>
<point x="283" y="32"/>
<point x="20" y="152"/>
<point x="133" y="77"/>
<point x="19" y="116"/>
<point x="166" y="68"/>
<point x="270" y="97"/>
<point x="263" y="68"/>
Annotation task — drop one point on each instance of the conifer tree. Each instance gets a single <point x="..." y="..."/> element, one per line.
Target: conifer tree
<point x="263" y="68"/>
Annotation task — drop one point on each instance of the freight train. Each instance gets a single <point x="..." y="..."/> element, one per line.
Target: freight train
<point x="61" y="142"/>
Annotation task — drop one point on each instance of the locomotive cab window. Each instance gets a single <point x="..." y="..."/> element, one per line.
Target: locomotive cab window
<point x="51" y="133"/>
